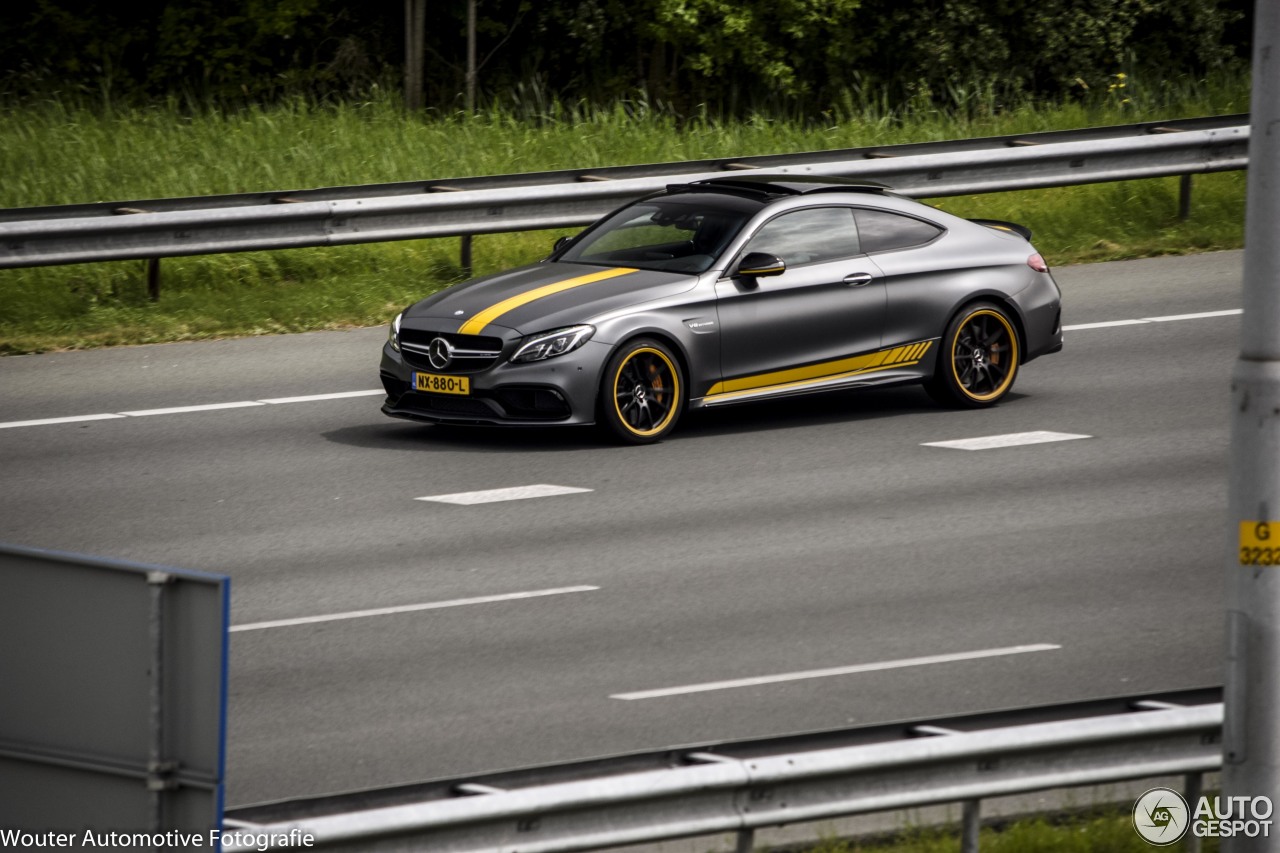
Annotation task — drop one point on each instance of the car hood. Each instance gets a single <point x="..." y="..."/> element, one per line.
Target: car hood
<point x="543" y="296"/>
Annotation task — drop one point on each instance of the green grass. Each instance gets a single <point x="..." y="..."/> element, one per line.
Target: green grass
<point x="58" y="151"/>
<point x="1101" y="833"/>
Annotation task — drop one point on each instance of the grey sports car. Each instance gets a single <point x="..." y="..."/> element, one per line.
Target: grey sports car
<point x="724" y="291"/>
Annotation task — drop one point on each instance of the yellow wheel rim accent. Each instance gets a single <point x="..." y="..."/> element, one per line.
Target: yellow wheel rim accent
<point x="656" y="384"/>
<point x="1013" y="355"/>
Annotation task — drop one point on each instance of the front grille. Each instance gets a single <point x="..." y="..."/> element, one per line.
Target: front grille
<point x="470" y="353"/>
<point x="446" y="405"/>
<point x="507" y="404"/>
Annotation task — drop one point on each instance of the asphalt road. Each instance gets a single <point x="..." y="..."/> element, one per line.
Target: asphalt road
<point x="768" y="540"/>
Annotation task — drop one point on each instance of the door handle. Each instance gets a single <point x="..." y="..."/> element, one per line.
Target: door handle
<point x="858" y="279"/>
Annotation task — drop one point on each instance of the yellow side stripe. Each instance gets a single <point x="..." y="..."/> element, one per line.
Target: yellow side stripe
<point x="917" y="352"/>
<point x="782" y="379"/>
<point x="493" y="312"/>
<point x="800" y="384"/>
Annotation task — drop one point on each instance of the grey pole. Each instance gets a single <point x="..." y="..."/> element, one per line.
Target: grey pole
<point x="1251" y="737"/>
<point x="158" y="768"/>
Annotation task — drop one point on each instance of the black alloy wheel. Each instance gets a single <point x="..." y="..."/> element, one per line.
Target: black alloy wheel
<point x="642" y="392"/>
<point x="979" y="358"/>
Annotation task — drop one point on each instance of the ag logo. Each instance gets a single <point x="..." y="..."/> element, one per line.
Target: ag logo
<point x="1161" y="816"/>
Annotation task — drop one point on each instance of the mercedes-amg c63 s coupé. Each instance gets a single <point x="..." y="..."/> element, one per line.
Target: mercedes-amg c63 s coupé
<point x="725" y="291"/>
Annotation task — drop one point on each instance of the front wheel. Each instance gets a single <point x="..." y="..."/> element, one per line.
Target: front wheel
<point x="642" y="392"/>
<point x="979" y="358"/>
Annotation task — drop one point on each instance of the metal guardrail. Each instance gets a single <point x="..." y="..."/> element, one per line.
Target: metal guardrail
<point x="463" y="207"/>
<point x="714" y="793"/>
<point x="614" y="173"/>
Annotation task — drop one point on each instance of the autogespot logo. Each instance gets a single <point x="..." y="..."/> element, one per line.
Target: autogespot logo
<point x="1160" y="816"/>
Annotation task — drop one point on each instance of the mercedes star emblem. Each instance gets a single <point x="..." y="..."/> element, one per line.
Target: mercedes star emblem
<point x="441" y="353"/>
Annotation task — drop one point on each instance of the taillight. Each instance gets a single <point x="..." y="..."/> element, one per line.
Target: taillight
<point x="1037" y="263"/>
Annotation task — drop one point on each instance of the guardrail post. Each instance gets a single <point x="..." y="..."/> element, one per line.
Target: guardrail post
<point x="464" y="255"/>
<point x="969" y="829"/>
<point x="153" y="264"/>
<point x="1194" y="787"/>
<point x="1184" y="198"/>
<point x="746" y="841"/>
<point x="153" y="279"/>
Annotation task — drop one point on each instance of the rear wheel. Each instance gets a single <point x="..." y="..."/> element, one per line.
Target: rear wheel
<point x="979" y="358"/>
<point x="642" y="392"/>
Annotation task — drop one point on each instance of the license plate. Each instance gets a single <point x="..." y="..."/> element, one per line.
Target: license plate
<point x="433" y="383"/>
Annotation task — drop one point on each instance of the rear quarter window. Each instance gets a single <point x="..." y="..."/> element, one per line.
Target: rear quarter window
<point x="881" y="230"/>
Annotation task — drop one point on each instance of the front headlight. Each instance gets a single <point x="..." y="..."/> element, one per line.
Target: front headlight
<point x="393" y="334"/>
<point x="553" y="343"/>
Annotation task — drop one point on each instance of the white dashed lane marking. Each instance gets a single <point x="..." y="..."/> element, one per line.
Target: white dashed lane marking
<point x="1204" y="315"/>
<point x="518" y="493"/>
<point x="312" y="398"/>
<point x="411" y="608"/>
<point x="71" y="420"/>
<point x="834" y="671"/>
<point x="181" y="410"/>
<point x="1013" y="439"/>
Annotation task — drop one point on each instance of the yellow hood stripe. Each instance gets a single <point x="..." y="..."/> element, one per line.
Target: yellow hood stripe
<point x="493" y="312"/>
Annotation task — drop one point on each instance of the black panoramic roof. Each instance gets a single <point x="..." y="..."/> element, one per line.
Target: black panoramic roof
<point x="779" y="185"/>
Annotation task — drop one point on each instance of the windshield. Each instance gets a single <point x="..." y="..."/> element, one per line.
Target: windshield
<point x="660" y="235"/>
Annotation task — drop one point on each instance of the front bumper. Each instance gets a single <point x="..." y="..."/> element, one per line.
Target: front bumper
<point x="557" y="391"/>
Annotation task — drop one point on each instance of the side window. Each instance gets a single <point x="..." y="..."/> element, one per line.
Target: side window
<point x="881" y="230"/>
<point x="808" y="236"/>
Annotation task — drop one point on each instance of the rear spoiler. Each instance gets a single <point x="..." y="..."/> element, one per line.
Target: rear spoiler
<point x="1021" y="230"/>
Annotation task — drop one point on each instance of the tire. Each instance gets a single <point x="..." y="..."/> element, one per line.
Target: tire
<point x="978" y="360"/>
<point x="642" y="392"/>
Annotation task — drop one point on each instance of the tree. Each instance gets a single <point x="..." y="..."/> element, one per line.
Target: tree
<point x="689" y="56"/>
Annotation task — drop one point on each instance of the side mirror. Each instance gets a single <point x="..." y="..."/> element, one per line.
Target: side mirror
<point x="757" y="264"/>
<point x="561" y="243"/>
